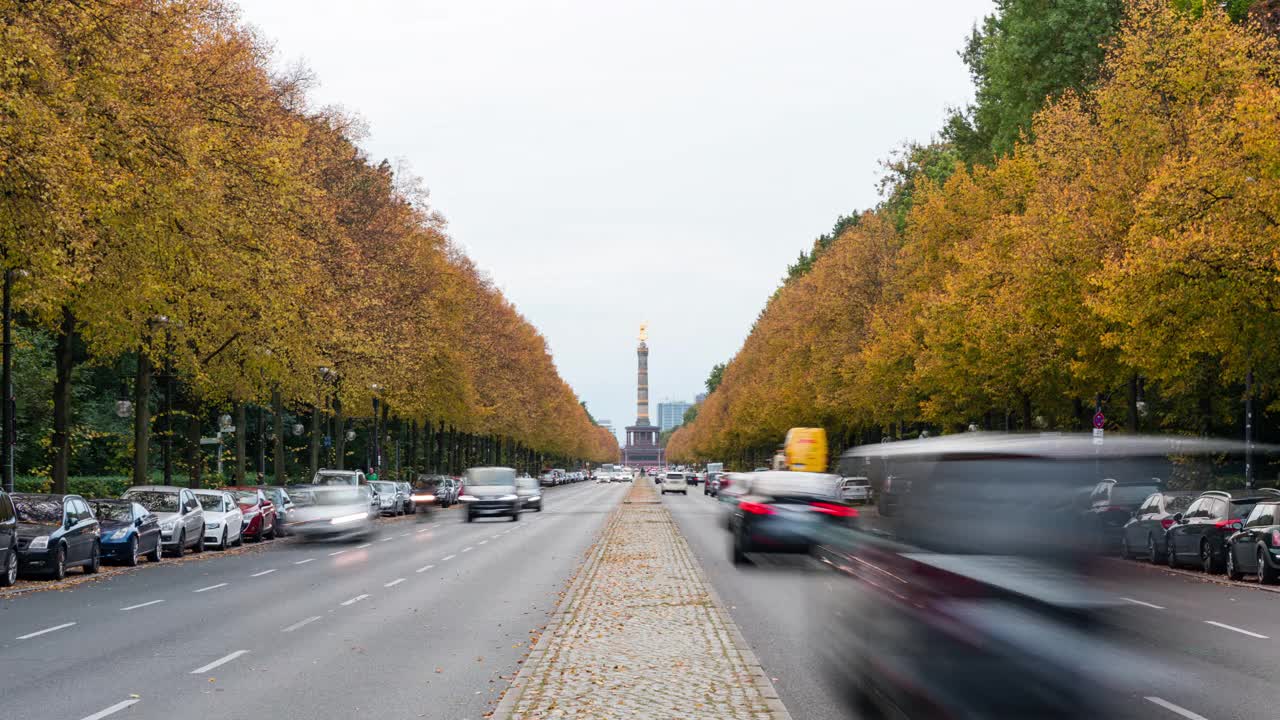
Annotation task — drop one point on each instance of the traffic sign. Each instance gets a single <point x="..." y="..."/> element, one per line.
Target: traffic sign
<point x="1099" y="420"/>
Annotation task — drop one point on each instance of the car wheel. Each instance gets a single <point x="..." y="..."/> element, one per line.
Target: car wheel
<point x="181" y="548"/>
<point x="10" y="575"/>
<point x="95" y="560"/>
<point x="1170" y="556"/>
<point x="515" y="516"/>
<point x="1233" y="572"/>
<point x="470" y="517"/>
<point x="1152" y="557"/>
<point x="1209" y="561"/>
<point x="131" y="557"/>
<point x="226" y="538"/>
<point x="1124" y="548"/>
<point x="270" y="534"/>
<point x="740" y="549"/>
<point x="156" y="553"/>
<point x="59" y="563"/>
<point x="1267" y="575"/>
<point x="199" y="547"/>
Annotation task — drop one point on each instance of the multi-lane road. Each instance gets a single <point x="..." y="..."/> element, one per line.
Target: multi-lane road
<point x="425" y="620"/>
<point x="1184" y="646"/>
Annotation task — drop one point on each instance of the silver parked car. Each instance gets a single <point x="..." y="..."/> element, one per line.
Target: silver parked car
<point x="179" y="512"/>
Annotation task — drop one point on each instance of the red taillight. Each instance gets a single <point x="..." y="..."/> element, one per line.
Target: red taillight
<point x="756" y="508"/>
<point x="1166" y="523"/>
<point x="1275" y="538"/>
<point x="834" y="510"/>
<point x="724" y="482"/>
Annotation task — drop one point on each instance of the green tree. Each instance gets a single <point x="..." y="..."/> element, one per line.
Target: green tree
<point x="713" y="380"/>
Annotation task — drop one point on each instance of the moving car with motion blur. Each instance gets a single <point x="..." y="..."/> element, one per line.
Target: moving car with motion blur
<point x="223" y="518"/>
<point x="786" y="512"/>
<point x="489" y="492"/>
<point x="530" y="493"/>
<point x="934" y="613"/>
<point x="56" y="532"/>
<point x="325" y="476"/>
<point x="129" y="531"/>
<point x="179" y="512"/>
<point x="429" y="490"/>
<point x="1199" y="536"/>
<point x="335" y="512"/>
<point x="1143" y="535"/>
<point x="1255" y="548"/>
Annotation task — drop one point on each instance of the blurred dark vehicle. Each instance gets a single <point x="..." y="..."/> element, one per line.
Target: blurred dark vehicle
<point x="1255" y="548"/>
<point x="979" y="598"/>
<point x="406" y="501"/>
<point x="128" y="531"/>
<point x="530" y="492"/>
<point x="490" y="491"/>
<point x="56" y="532"/>
<point x="1144" y="534"/>
<point x="1111" y="505"/>
<point x="337" y="512"/>
<point x="1199" y="536"/>
<point x="712" y="486"/>
<point x="785" y="512"/>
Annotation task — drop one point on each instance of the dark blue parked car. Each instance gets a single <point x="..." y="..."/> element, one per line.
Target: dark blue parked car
<point x="128" y="531"/>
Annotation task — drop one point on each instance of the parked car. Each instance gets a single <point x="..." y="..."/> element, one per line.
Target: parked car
<point x="530" y="492"/>
<point x="409" y="507"/>
<point x="1111" y="505"/>
<point x="8" y="541"/>
<point x="129" y="531"/>
<point x="223" y="518"/>
<point x="786" y="511"/>
<point x="674" y="482"/>
<point x="259" y="512"/>
<point x="325" y="476"/>
<point x="389" y="502"/>
<point x="1144" y="534"/>
<point x="1199" y="536"/>
<point x="489" y="491"/>
<point x="1255" y="548"/>
<point x="179" y="512"/>
<point x="283" y="502"/>
<point x="336" y="512"/>
<point x="56" y="532"/>
<point x="855" y="490"/>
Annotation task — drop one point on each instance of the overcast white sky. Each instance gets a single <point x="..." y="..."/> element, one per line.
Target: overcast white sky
<point x="610" y="162"/>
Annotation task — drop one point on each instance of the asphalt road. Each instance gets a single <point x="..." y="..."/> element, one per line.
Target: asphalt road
<point x="1188" y="646"/>
<point x="425" y="621"/>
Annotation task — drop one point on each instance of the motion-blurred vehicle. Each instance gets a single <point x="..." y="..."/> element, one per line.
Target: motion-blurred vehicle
<point x="129" y="531"/>
<point x="855" y="490"/>
<point x="56" y="532"/>
<point x="806" y="449"/>
<point x="336" y="512"/>
<point x="8" y="541"/>
<point x="179" y="512"/>
<point x="325" y="476"/>
<point x="223" y="518"/>
<point x="674" y="482"/>
<point x="407" y="505"/>
<point x="712" y="485"/>
<point x="1255" y="548"/>
<point x="1199" y="536"/>
<point x="389" y="501"/>
<point x="490" y="491"/>
<point x="429" y="490"/>
<point x="1143" y="535"/>
<point x="283" y="503"/>
<point x="786" y="512"/>
<point x="940" y="616"/>
<point x="530" y="492"/>
<point x="259" y="513"/>
<point x="1112" y="504"/>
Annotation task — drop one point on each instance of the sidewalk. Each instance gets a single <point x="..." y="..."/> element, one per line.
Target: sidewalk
<point x="641" y="635"/>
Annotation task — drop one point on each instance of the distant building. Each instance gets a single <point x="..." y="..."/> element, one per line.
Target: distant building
<point x="697" y="399"/>
<point x="671" y="414"/>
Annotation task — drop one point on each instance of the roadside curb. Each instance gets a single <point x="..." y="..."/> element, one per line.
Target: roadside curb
<point x="1196" y="575"/>
<point x="507" y="705"/>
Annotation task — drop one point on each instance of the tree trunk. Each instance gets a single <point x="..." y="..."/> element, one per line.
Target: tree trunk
<point x="195" y="459"/>
<point x="65" y="361"/>
<point x="242" y="434"/>
<point x="1027" y="422"/>
<point x="141" y="419"/>
<point x="315" y="439"/>
<point x="279" y="465"/>
<point x="339" y="435"/>
<point x="1077" y="406"/>
<point x="1132" y="421"/>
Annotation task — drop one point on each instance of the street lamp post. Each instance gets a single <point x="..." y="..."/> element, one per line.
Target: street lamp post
<point x="7" y="447"/>
<point x="375" y="450"/>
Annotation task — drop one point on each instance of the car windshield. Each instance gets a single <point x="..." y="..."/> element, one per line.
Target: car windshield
<point x="209" y="502"/>
<point x="384" y="487"/>
<point x="1131" y="494"/>
<point x="1178" y="503"/>
<point x="112" y="511"/>
<point x="490" y="476"/>
<point x="341" y="496"/>
<point x="38" y="510"/>
<point x="246" y="497"/>
<point x="526" y="483"/>
<point x="335" y="479"/>
<point x="154" y="500"/>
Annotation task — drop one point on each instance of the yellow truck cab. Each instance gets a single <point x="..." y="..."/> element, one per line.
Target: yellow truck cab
<point x="806" y="449"/>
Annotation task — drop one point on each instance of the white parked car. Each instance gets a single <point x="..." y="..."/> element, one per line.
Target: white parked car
<point x="223" y="518"/>
<point x="675" y="482"/>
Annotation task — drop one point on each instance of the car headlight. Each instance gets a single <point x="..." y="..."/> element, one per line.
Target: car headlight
<point x="120" y="534"/>
<point x="213" y="525"/>
<point x="39" y="543"/>
<point x="168" y="525"/>
<point x="467" y="498"/>
<point x="508" y="497"/>
<point x="344" y="519"/>
<point x="424" y="498"/>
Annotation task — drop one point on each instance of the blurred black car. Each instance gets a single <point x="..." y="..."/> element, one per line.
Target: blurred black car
<point x="1255" y="548"/>
<point x="129" y="531"/>
<point x="429" y="490"/>
<point x="786" y="511"/>
<point x="1111" y="505"/>
<point x="56" y="532"/>
<point x="1143" y="536"/>
<point x="1199" y="536"/>
<point x="8" y="541"/>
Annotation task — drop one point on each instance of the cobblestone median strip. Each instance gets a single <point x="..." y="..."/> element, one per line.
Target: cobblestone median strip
<point x="641" y="634"/>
